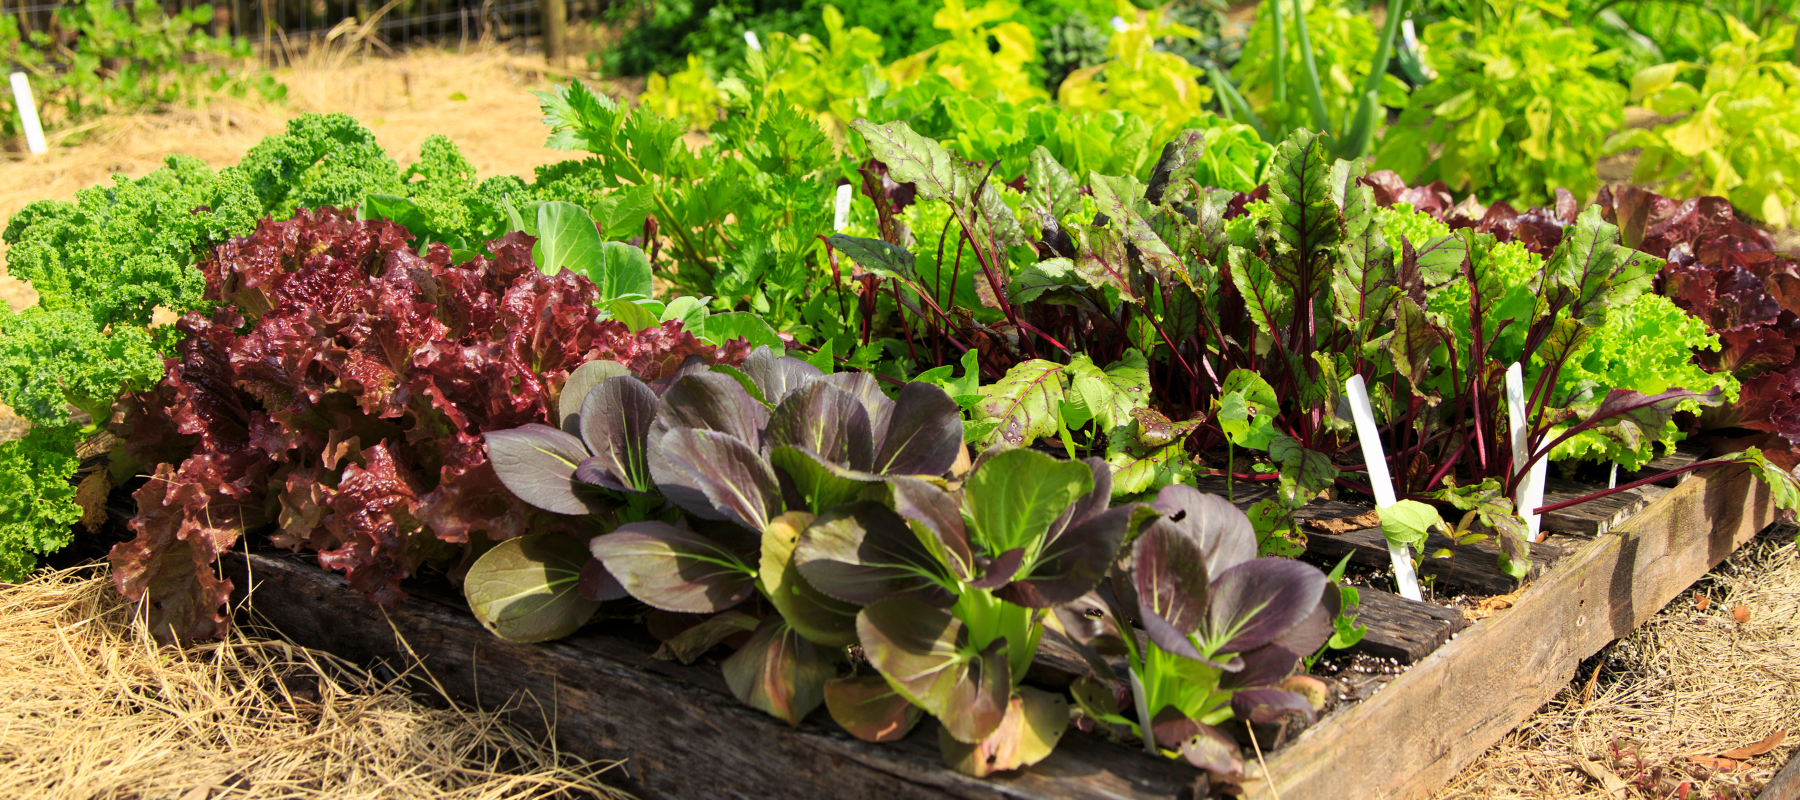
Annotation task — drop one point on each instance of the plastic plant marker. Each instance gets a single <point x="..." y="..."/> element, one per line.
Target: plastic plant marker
<point x="1530" y="492"/>
<point x="842" y="216"/>
<point x="751" y="40"/>
<point x="28" y="116"/>
<point x="1379" y="481"/>
<point x="1612" y="478"/>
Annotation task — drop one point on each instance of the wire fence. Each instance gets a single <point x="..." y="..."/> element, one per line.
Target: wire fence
<point x="279" y="26"/>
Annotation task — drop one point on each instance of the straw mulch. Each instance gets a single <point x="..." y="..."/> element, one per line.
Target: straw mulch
<point x="90" y="707"/>
<point x="1691" y="682"/>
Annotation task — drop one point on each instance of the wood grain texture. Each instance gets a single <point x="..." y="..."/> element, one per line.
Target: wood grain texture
<point x="1786" y="784"/>
<point x="1401" y="629"/>
<point x="1416" y="733"/>
<point x="681" y="732"/>
<point x="1593" y="517"/>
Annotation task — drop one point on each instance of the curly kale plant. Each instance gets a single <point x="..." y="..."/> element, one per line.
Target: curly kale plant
<point x="106" y="262"/>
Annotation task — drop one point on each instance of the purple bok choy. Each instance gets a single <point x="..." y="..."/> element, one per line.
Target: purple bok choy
<point x="750" y="457"/>
<point x="956" y="585"/>
<point x="1224" y="630"/>
<point x="546" y="585"/>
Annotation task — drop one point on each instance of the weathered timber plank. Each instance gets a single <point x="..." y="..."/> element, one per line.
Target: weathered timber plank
<point x="1684" y="454"/>
<point x="1473" y="568"/>
<point x="1786" y="784"/>
<point x="1401" y="629"/>
<point x="679" y="729"/>
<point x="1433" y="720"/>
<point x="1593" y="517"/>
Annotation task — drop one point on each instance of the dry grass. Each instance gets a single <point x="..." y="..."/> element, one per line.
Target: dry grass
<point x="91" y="707"/>
<point x="402" y="100"/>
<point x="1690" y="681"/>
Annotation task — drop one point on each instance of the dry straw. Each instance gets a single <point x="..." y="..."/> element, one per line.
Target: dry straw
<point x="91" y="707"/>
<point x="1692" y="681"/>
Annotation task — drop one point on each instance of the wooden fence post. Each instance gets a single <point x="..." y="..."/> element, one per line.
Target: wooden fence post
<point x="555" y="19"/>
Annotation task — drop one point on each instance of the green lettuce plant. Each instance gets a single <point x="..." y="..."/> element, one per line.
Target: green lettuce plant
<point x="1737" y="129"/>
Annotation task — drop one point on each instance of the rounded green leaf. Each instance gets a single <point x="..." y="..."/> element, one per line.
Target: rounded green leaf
<point x="1247" y="409"/>
<point x="812" y="613"/>
<point x="1014" y="496"/>
<point x="621" y="270"/>
<point x="523" y="590"/>
<point x="722" y="328"/>
<point x="1408" y="522"/>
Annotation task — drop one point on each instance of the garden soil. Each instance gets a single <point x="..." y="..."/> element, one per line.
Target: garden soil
<point x="90" y="708"/>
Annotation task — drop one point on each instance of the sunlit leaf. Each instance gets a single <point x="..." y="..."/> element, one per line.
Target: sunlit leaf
<point x="780" y="671"/>
<point x="812" y="613"/>
<point x="673" y="569"/>
<point x="870" y="709"/>
<point x="1257" y="601"/>
<point x="1014" y="496"/>
<point x="862" y="552"/>
<point x="524" y="589"/>
<point x="925" y="654"/>
<point x="1035" y="721"/>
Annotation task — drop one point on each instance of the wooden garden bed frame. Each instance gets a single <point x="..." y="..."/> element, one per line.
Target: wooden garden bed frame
<point x="683" y="735"/>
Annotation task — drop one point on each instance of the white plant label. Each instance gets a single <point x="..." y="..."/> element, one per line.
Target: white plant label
<point x="28" y="116"/>
<point x="751" y="40"/>
<point x="1118" y="24"/>
<point x="1380" y="482"/>
<point x="842" y="217"/>
<point x="1530" y="493"/>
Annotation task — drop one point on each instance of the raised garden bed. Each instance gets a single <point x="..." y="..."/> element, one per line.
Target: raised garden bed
<point x="682" y="733"/>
